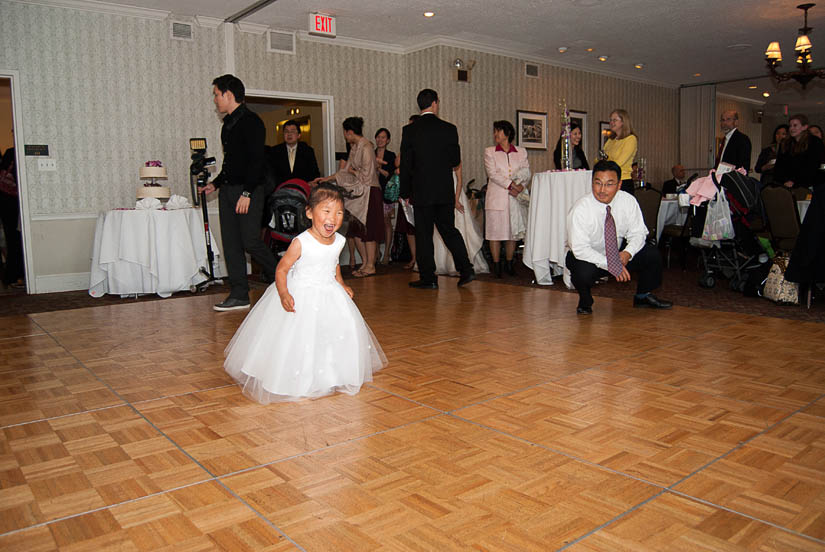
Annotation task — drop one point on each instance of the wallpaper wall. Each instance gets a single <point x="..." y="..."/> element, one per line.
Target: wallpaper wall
<point x="107" y="93"/>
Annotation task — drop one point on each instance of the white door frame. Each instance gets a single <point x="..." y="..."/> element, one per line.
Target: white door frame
<point x="327" y="112"/>
<point x="23" y="189"/>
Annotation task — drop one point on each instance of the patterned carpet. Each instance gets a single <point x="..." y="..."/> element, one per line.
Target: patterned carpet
<point x="680" y="286"/>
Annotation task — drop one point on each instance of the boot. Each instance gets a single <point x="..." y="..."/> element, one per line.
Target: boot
<point x="511" y="267"/>
<point x="497" y="269"/>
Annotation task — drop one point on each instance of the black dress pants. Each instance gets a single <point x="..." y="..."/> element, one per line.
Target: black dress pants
<point x="10" y="215"/>
<point x="647" y="264"/>
<point x="440" y="216"/>
<point x="241" y="234"/>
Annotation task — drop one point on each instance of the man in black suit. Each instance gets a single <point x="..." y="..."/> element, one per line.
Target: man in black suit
<point x="429" y="155"/>
<point x="735" y="148"/>
<point x="670" y="186"/>
<point x="293" y="158"/>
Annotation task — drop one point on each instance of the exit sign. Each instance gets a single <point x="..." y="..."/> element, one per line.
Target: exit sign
<point x="321" y="25"/>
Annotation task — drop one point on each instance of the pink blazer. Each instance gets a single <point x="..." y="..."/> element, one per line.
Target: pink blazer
<point x="500" y="170"/>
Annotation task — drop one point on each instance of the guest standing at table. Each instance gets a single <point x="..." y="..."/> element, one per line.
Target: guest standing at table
<point x="578" y="161"/>
<point x="359" y="178"/>
<point x="240" y="201"/>
<point x="596" y="224"/>
<point x="502" y="162"/>
<point x="621" y="146"/>
<point x="799" y="158"/>
<point x="735" y="146"/>
<point x="430" y="153"/>
<point x="385" y="163"/>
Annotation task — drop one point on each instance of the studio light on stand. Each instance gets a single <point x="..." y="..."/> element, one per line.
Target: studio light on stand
<point x="804" y="59"/>
<point x="199" y="177"/>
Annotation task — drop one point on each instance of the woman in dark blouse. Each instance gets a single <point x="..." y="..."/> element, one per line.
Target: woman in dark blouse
<point x="578" y="161"/>
<point x="385" y="163"/>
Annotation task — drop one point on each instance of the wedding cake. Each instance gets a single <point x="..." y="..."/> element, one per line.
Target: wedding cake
<point x="153" y="171"/>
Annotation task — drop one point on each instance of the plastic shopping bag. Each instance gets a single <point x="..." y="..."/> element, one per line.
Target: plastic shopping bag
<point x="718" y="224"/>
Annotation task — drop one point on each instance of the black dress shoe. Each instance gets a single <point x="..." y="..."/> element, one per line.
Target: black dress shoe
<point x="421" y="284"/>
<point x="230" y="304"/>
<point x="584" y="310"/>
<point x="465" y="279"/>
<point x="651" y="302"/>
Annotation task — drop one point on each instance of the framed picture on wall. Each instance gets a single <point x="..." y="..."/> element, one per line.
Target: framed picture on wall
<point x="604" y="133"/>
<point x="531" y="129"/>
<point x="580" y="118"/>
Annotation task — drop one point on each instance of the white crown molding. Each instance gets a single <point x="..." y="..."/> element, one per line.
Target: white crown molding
<point x="353" y="43"/>
<point x="742" y="99"/>
<point x="253" y="28"/>
<point x="101" y="7"/>
<point x="208" y="22"/>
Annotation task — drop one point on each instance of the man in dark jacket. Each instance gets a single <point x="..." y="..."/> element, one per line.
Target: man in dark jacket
<point x="429" y="155"/>
<point x="240" y="201"/>
<point x="293" y="158"/>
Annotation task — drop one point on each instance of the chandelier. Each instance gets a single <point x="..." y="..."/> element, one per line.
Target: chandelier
<point x="804" y="60"/>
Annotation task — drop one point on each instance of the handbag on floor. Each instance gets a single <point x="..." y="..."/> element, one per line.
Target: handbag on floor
<point x="777" y="288"/>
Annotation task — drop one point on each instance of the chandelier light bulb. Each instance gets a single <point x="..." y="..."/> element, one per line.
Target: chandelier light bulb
<point x="802" y="43"/>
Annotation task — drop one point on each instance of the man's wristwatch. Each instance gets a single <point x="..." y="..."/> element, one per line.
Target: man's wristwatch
<point x="245" y="194"/>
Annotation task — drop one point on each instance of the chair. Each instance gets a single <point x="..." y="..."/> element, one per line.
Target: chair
<point x="649" y="200"/>
<point x="783" y="217"/>
<point x="679" y="232"/>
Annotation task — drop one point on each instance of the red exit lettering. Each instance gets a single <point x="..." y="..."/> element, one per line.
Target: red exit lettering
<point x="322" y="24"/>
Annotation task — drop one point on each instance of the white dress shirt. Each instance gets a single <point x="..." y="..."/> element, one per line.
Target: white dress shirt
<point x="290" y="154"/>
<point x="585" y="227"/>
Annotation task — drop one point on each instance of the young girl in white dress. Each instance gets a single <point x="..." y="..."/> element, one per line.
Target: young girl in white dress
<point x="305" y="337"/>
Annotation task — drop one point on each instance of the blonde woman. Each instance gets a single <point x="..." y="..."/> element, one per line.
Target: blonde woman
<point x="622" y="145"/>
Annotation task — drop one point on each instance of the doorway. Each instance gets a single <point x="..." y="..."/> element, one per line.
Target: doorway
<point x="12" y="249"/>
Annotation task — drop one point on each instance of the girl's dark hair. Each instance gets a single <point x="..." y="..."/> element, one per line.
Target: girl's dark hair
<point x="382" y="129"/>
<point x="324" y="192"/>
<point x="507" y="128"/>
<point x="355" y="124"/>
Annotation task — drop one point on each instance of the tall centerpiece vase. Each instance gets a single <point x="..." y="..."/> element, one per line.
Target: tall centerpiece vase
<point x="566" y="153"/>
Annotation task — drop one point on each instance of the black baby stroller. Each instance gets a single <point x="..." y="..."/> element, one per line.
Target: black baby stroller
<point x="732" y="258"/>
<point x="287" y="207"/>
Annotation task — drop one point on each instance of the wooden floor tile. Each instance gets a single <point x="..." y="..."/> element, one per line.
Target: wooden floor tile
<point x="73" y="464"/>
<point x="778" y="477"/>
<point x="461" y="487"/>
<point x="200" y="517"/>
<point x="19" y="326"/>
<point x="227" y="432"/>
<point x="677" y="524"/>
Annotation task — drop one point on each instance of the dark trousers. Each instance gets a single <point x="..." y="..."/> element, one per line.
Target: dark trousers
<point x="627" y="186"/>
<point x="647" y="263"/>
<point x="242" y="233"/>
<point x="10" y="215"/>
<point x="443" y="218"/>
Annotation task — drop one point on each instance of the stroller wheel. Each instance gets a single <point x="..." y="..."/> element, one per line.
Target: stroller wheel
<point x="707" y="281"/>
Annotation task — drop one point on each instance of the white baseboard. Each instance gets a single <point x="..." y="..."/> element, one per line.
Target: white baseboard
<point x="52" y="283"/>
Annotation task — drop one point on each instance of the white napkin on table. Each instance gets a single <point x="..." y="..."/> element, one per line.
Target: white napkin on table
<point x="177" y="202"/>
<point x="148" y="203"/>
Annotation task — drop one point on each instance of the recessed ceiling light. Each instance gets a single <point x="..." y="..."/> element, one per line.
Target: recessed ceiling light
<point x="429" y="14"/>
<point x="766" y="94"/>
<point x="562" y="49"/>
<point x="603" y="58"/>
<point x="752" y="87"/>
<point x="697" y="74"/>
<point x="639" y="66"/>
<point x="588" y="49"/>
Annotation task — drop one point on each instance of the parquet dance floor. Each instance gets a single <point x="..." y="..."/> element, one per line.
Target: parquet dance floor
<point x="503" y="422"/>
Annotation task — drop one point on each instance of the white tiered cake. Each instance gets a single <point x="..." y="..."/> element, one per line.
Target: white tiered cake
<point x="153" y="173"/>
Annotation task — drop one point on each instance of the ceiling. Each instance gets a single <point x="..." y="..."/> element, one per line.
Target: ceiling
<point x="721" y="40"/>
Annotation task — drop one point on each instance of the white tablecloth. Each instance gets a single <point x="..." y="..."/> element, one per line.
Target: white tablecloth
<point x="551" y="196"/>
<point x="669" y="213"/>
<point x="149" y="251"/>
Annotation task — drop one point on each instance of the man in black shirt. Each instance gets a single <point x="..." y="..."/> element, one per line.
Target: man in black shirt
<point x="241" y="200"/>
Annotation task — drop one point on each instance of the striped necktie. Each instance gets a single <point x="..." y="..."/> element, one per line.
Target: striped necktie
<point x="611" y="245"/>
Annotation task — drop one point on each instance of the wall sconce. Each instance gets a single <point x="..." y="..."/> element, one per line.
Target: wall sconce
<point x="295" y="111"/>
<point x="462" y="69"/>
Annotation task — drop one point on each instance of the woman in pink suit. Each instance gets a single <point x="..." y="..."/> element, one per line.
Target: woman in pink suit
<point x="502" y="161"/>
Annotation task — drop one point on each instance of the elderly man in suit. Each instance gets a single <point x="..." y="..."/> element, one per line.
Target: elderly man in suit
<point x="429" y="154"/>
<point x="735" y="148"/>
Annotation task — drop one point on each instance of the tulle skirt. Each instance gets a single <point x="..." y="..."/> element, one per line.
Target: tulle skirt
<point x="323" y="347"/>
